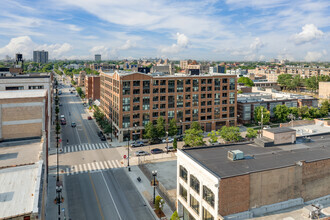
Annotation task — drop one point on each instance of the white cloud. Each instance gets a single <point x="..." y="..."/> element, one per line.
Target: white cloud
<point x="309" y="33"/>
<point x="73" y="27"/>
<point x="25" y="45"/>
<point x="315" y="56"/>
<point x="257" y="44"/>
<point x="128" y="45"/>
<point x="103" y="50"/>
<point x="182" y="43"/>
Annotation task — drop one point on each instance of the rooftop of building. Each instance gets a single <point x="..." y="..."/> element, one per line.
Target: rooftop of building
<point x="19" y="191"/>
<point x="258" y="158"/>
<point x="27" y="76"/>
<point x="16" y="94"/>
<point x="280" y="130"/>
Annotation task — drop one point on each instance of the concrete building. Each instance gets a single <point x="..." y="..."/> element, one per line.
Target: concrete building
<point x="217" y="69"/>
<point x="324" y="90"/>
<point x="167" y="69"/>
<point x="81" y="78"/>
<point x="245" y="180"/>
<point x="40" y="56"/>
<point x="92" y="87"/>
<point x="130" y="99"/>
<point x="97" y="57"/>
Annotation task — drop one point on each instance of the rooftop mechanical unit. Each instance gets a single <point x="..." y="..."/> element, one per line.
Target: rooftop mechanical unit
<point x="235" y="155"/>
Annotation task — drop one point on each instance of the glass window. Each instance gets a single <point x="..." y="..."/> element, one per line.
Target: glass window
<point x="162" y="82"/>
<point x="171" y="83"/>
<point x="183" y="192"/>
<point x="155" y="90"/>
<point x="146" y="84"/>
<point x="136" y="83"/>
<point x="170" y="114"/>
<point x="136" y="99"/>
<point x="194" y="204"/>
<point x="183" y="173"/>
<point x="207" y="215"/>
<point x="194" y="183"/>
<point x="126" y="84"/>
<point x="188" y="82"/>
<point x="156" y="82"/>
<point x="208" y="195"/>
<point x="136" y="91"/>
<point x="224" y="80"/>
<point x="155" y="99"/>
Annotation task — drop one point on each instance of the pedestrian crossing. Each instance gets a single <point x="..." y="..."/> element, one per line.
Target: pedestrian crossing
<point x="93" y="167"/>
<point x="85" y="147"/>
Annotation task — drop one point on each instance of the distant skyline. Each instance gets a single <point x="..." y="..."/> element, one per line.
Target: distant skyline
<point x="297" y="30"/>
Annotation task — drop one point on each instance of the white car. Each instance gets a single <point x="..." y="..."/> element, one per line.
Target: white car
<point x="170" y="140"/>
<point x="141" y="153"/>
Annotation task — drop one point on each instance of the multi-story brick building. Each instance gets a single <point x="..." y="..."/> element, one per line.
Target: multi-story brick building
<point x="92" y="87"/>
<point x="131" y="100"/>
<point x="324" y="90"/>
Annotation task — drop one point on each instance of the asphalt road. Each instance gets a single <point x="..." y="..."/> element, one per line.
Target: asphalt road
<point x="106" y="194"/>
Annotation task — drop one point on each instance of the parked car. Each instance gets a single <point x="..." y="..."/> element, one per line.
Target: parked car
<point x="170" y="140"/>
<point x="141" y="153"/>
<point x="155" y="141"/>
<point x="180" y="138"/>
<point x="103" y="138"/>
<point x="60" y="104"/>
<point x="71" y="91"/>
<point x="170" y="148"/>
<point x="157" y="151"/>
<point x="100" y="133"/>
<point x="73" y="124"/>
<point x="137" y="144"/>
<point x="77" y="95"/>
<point x="89" y="117"/>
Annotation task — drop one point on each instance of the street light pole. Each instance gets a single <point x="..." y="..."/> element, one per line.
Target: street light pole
<point x="129" y="136"/>
<point x="167" y="142"/>
<point x="154" y="174"/>
<point x="181" y="128"/>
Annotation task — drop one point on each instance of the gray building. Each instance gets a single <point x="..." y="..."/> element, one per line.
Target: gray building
<point x="40" y="56"/>
<point x="97" y="57"/>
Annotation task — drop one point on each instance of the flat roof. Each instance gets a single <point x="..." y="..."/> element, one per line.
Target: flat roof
<point x="280" y="130"/>
<point x="259" y="158"/>
<point x="14" y="94"/>
<point x="19" y="191"/>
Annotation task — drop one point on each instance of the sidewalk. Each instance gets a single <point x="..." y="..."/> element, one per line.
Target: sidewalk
<point x="146" y="190"/>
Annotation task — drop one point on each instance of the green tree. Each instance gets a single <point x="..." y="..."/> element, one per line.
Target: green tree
<point x="108" y="128"/>
<point x="160" y="127"/>
<point x="175" y="216"/>
<point x="159" y="202"/>
<point x="281" y="113"/>
<point x="193" y="137"/>
<point x="150" y="131"/>
<point x="175" y="143"/>
<point x="284" y="79"/>
<point x="213" y="136"/>
<point x="294" y="111"/>
<point x="230" y="133"/>
<point x="314" y="112"/>
<point x="172" y="129"/>
<point x="246" y="80"/>
<point x="251" y="133"/>
<point x="303" y="112"/>
<point x="325" y="108"/>
<point x="195" y="125"/>
<point x="265" y="116"/>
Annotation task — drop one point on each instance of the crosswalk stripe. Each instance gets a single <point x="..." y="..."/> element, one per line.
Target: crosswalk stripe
<point x="93" y="147"/>
<point x="110" y="165"/>
<point x="97" y="165"/>
<point x="101" y="145"/>
<point x="64" y="150"/>
<point x="118" y="163"/>
<point x="106" y="165"/>
<point x="72" y="148"/>
<point x="75" y="169"/>
<point x="79" y="147"/>
<point x="97" y="146"/>
<point x="101" y="165"/>
<point x="114" y="164"/>
<point x="86" y="146"/>
<point x="67" y="171"/>
<point x="75" y="148"/>
<point x="68" y="148"/>
<point x="93" y="166"/>
<point x="104" y="145"/>
<point x="80" y="168"/>
<point x="89" y="166"/>
<point x="85" y="168"/>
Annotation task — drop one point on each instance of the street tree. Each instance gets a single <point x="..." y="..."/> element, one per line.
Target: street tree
<point x="251" y="133"/>
<point x="261" y="112"/>
<point x="160" y="127"/>
<point x="281" y="113"/>
<point x="195" y="125"/>
<point x="230" y="133"/>
<point x="150" y="131"/>
<point x="175" y="216"/>
<point x="294" y="111"/>
<point x="193" y="137"/>
<point x="303" y="112"/>
<point x="325" y="108"/>
<point x="175" y="143"/>
<point x="246" y="80"/>
<point x="213" y="135"/>
<point x="172" y="128"/>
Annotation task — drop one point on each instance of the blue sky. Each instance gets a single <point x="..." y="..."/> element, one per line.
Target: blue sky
<point x="177" y="29"/>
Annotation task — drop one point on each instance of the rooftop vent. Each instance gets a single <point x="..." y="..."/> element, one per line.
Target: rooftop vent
<point x="235" y="155"/>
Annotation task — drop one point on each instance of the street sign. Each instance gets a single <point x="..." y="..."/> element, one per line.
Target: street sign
<point x="124" y="156"/>
<point x="63" y="210"/>
<point x="60" y="140"/>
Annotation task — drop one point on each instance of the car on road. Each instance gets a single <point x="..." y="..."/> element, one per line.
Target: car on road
<point x="100" y="133"/>
<point x="180" y="138"/>
<point x="170" y="140"/>
<point x="170" y="148"/>
<point x="155" y="141"/>
<point x="137" y="144"/>
<point x="103" y="138"/>
<point x="89" y="117"/>
<point x="141" y="153"/>
<point x="156" y="151"/>
<point x="71" y="91"/>
<point x="77" y="95"/>
<point x="60" y="104"/>
<point x="73" y="124"/>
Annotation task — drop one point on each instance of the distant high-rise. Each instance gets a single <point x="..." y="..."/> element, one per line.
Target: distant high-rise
<point x="97" y="57"/>
<point x="19" y="60"/>
<point x="40" y="56"/>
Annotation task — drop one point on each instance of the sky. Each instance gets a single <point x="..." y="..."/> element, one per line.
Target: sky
<point x="219" y="30"/>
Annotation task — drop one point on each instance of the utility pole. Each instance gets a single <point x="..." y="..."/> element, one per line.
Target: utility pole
<point x="262" y="120"/>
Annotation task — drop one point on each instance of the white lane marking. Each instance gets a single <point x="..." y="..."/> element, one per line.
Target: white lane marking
<point x="114" y="164"/>
<point x="80" y="168"/>
<point x="87" y="147"/>
<point x="76" y="148"/>
<point x="89" y="166"/>
<point x="111" y="197"/>
<point x="101" y="165"/>
<point x="65" y="150"/>
<point x="76" y="170"/>
<point x="101" y="145"/>
<point x="106" y="165"/>
<point x="85" y="168"/>
<point x="68" y="149"/>
<point x="93" y="166"/>
<point x="110" y="165"/>
<point x="67" y="171"/>
<point x="93" y="147"/>
<point x="97" y="146"/>
<point x="97" y="165"/>
<point x="118" y="163"/>
<point x="104" y="145"/>
<point x="79" y="147"/>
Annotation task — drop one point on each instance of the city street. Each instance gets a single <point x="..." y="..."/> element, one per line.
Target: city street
<point x="95" y="185"/>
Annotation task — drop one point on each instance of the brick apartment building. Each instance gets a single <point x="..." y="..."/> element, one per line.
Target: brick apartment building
<point x="213" y="184"/>
<point x="92" y="87"/>
<point x="131" y="100"/>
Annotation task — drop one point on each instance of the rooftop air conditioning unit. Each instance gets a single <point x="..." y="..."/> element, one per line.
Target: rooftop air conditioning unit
<point x="235" y="155"/>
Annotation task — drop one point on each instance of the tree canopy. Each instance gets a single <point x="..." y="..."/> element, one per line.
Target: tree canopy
<point x="230" y="133"/>
<point x="257" y="114"/>
<point x="246" y="80"/>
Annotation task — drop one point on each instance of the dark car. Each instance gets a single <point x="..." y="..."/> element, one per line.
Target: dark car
<point x="137" y="144"/>
<point x="100" y="133"/>
<point x="89" y="117"/>
<point x="180" y="138"/>
<point x="103" y="138"/>
<point x="170" y="148"/>
<point x="157" y="151"/>
<point x="73" y="124"/>
<point x="155" y="141"/>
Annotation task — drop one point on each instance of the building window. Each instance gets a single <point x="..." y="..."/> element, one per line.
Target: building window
<point x="194" y="204"/>
<point x="36" y="87"/>
<point x="136" y="91"/>
<point x="179" y="85"/>
<point x="163" y="82"/>
<point x="171" y="102"/>
<point x="187" y="112"/>
<point x="156" y="82"/>
<point x="188" y="89"/>
<point x="155" y="99"/>
<point x="209" y="96"/>
<point x="162" y="90"/>
<point x="195" y="85"/>
<point x="14" y="87"/>
<point x="155" y="90"/>
<point x="136" y="83"/>
<point x="195" y="114"/>
<point x="183" y="192"/>
<point x="126" y="108"/>
<point x="136" y="107"/>
<point x="188" y="97"/>
<point x="163" y="98"/>
<point x="155" y="106"/>
<point x="224" y="81"/>
<point x="146" y="84"/>
<point x="162" y="106"/>
<point x="155" y="114"/>
<point x="162" y="114"/>
<point x="179" y="101"/>
<point x="188" y="81"/>
<point x="232" y="83"/>
<point x="171" y="83"/>
<point x="194" y="183"/>
<point x="209" y="110"/>
<point x="207" y="215"/>
<point x="146" y="91"/>
<point x="170" y="90"/>
<point x="195" y="100"/>
<point x="170" y="115"/>
<point x="208" y="195"/>
<point x="183" y="173"/>
<point x="135" y="116"/>
<point x="126" y="121"/>
<point x="136" y="99"/>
